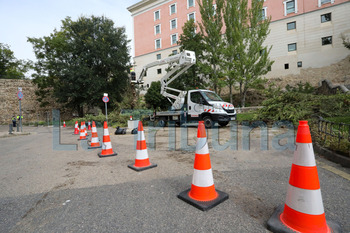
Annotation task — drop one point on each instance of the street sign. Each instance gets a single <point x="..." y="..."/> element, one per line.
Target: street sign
<point x="105" y="99"/>
<point x="20" y="95"/>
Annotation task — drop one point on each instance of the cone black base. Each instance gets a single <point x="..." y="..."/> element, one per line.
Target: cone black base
<point x="275" y="225"/>
<point x="102" y="156"/>
<point x="94" y="147"/>
<point x="138" y="169"/>
<point x="203" y="205"/>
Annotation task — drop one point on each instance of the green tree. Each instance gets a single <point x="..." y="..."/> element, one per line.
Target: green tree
<point x="190" y="40"/>
<point x="247" y="58"/>
<point x="346" y="41"/>
<point x="10" y="67"/>
<point x="81" y="61"/>
<point x="154" y="99"/>
<point x="211" y="28"/>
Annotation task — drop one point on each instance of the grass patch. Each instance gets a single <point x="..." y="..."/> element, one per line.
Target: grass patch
<point x="246" y="116"/>
<point x="340" y="119"/>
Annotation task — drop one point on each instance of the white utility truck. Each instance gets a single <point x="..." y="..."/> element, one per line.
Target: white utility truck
<point x="200" y="105"/>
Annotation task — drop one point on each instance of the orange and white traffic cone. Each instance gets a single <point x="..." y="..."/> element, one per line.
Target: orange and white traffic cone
<point x="303" y="210"/>
<point x="202" y="193"/>
<point x="142" y="160"/>
<point x="76" y="128"/>
<point x="64" y="124"/>
<point x="106" y="144"/>
<point x="95" y="143"/>
<point x="82" y="132"/>
<point x="89" y="125"/>
<point x="86" y="134"/>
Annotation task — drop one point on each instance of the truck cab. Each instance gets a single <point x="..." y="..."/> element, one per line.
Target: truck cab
<point x="208" y="106"/>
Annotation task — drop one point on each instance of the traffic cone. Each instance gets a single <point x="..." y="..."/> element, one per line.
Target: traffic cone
<point x="202" y="193"/>
<point x="303" y="210"/>
<point x="86" y="134"/>
<point x="89" y="125"/>
<point x="95" y="143"/>
<point x="82" y="132"/>
<point x="76" y="130"/>
<point x="142" y="160"/>
<point x="106" y="144"/>
<point x="64" y="124"/>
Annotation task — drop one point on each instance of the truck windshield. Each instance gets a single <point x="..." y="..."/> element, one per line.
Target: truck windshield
<point x="211" y="96"/>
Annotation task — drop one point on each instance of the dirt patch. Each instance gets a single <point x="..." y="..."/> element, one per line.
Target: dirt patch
<point x="82" y="163"/>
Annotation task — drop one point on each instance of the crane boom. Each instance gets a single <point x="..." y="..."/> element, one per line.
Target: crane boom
<point x="179" y="64"/>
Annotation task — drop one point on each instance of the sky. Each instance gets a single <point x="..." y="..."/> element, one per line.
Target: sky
<point x="20" y="19"/>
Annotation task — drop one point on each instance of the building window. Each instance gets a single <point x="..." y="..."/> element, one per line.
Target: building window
<point x="158" y="43"/>
<point x="263" y="13"/>
<point x="286" y="66"/>
<point x="262" y="52"/>
<point x="190" y="3"/>
<point x="157" y="29"/>
<point x="174" y="52"/>
<point x="290" y="6"/>
<point x="157" y="15"/>
<point x="321" y="2"/>
<point x="172" y="9"/>
<point x="159" y="56"/>
<point x="292" y="47"/>
<point x="191" y="16"/>
<point x="173" y="24"/>
<point x="326" y="17"/>
<point x="326" y="40"/>
<point x="291" y="25"/>
<point x="159" y="71"/>
<point x="300" y="64"/>
<point x="147" y="85"/>
<point x="214" y="9"/>
<point x="173" y="39"/>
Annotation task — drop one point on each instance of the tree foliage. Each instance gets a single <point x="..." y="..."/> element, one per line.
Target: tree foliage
<point x="245" y="54"/>
<point x="190" y="40"/>
<point x="154" y="99"/>
<point x="211" y="28"/>
<point x="10" y="67"/>
<point x="346" y="41"/>
<point x="81" y="61"/>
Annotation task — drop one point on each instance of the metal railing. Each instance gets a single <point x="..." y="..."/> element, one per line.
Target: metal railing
<point x="332" y="129"/>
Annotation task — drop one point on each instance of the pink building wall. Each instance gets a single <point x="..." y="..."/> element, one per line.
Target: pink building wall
<point x="144" y="36"/>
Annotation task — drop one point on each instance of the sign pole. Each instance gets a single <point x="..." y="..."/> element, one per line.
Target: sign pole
<point x="20" y="97"/>
<point x="106" y="112"/>
<point x="105" y="99"/>
<point x="20" y="115"/>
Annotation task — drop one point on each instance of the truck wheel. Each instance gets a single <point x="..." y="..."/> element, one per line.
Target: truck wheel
<point x="208" y="122"/>
<point x="162" y="123"/>
<point x="223" y="123"/>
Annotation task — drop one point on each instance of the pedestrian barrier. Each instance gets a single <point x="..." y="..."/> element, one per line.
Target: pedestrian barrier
<point x="106" y="144"/>
<point x="202" y="193"/>
<point x="303" y="209"/>
<point x="142" y="161"/>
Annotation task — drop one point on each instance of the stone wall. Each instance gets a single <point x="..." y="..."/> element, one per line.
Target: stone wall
<point x="9" y="103"/>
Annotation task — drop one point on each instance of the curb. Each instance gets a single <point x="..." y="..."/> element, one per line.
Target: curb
<point x="332" y="156"/>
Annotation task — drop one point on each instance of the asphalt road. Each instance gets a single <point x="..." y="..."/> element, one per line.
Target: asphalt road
<point x="47" y="190"/>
